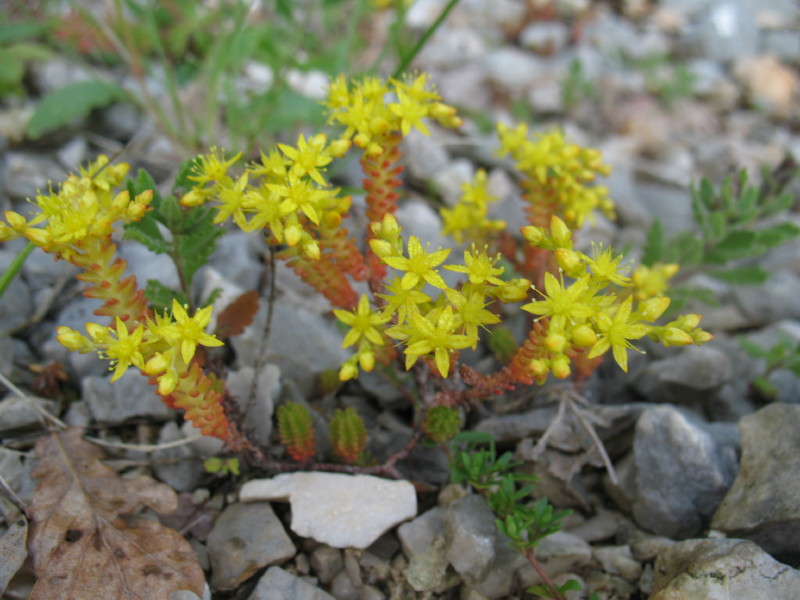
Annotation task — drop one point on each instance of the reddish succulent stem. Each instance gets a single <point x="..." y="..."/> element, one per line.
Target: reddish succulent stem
<point x="104" y="270"/>
<point x="529" y="554"/>
<point x="381" y="182"/>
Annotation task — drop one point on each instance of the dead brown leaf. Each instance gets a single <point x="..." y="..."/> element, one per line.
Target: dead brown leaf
<point x="237" y="316"/>
<point x="85" y="544"/>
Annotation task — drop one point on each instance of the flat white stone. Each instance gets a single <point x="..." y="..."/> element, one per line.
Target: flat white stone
<point x="343" y="511"/>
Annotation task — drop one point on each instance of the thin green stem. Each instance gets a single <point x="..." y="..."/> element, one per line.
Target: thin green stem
<point x="408" y="58"/>
<point x="170" y="79"/>
<point x="14" y="268"/>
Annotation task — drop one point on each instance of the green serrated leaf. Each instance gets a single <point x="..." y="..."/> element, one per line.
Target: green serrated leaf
<point x="653" y="249"/>
<point x="196" y="246"/>
<point x="741" y="275"/>
<point x="172" y="213"/>
<point x="160" y="296"/>
<point x="69" y="103"/>
<point x="736" y="244"/>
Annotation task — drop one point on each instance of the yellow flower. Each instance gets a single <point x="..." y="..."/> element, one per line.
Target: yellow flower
<point x="419" y="266"/>
<point x="213" y="167"/>
<point x="616" y="331"/>
<point x="562" y="304"/>
<point x="437" y="337"/>
<point x="308" y="157"/>
<point x="363" y="322"/>
<point x="187" y="332"/>
<point x="479" y="266"/>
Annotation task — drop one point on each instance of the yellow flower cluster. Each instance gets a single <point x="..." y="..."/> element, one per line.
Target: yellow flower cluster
<point x="162" y="347"/>
<point x="84" y="209"/>
<point x="557" y="172"/>
<point x="468" y="219"/>
<point x="370" y="120"/>
<point x="428" y="328"/>
<point x="284" y="193"/>
<point x="587" y="314"/>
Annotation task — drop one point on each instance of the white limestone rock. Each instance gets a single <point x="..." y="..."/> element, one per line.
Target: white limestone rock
<point x="343" y="511"/>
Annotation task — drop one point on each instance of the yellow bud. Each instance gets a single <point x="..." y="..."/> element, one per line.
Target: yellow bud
<point x="652" y="308"/>
<point x="381" y="248"/>
<point x="672" y="336"/>
<point x="40" y="237"/>
<point x="539" y="368"/>
<point x="158" y="364"/>
<point x="559" y="367"/>
<point x="688" y="321"/>
<point x="701" y="337"/>
<point x="348" y="371"/>
<point x="555" y="342"/>
<point x="569" y="261"/>
<point x="584" y="336"/>
<point x="339" y="148"/>
<point x="534" y="235"/>
<point x="390" y="227"/>
<point x="311" y="250"/>
<point x="193" y="198"/>
<point x="121" y="200"/>
<point x="440" y="110"/>
<point x="71" y="339"/>
<point x="16" y="220"/>
<point x="366" y="360"/>
<point x="562" y="235"/>
<point x="361" y="140"/>
<point x="373" y="150"/>
<point x="292" y="234"/>
<point x="515" y="290"/>
<point x="167" y="383"/>
<point x="97" y="332"/>
<point x="379" y="125"/>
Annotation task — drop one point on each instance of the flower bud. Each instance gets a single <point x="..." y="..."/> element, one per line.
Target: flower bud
<point x="701" y="337"/>
<point x="292" y="234"/>
<point x="193" y="198"/>
<point x="311" y="250"/>
<point x="539" y="368"/>
<point x="569" y="261"/>
<point x="672" y="336"/>
<point x="652" y="308"/>
<point x="40" y="237"/>
<point x="348" y="371"/>
<point x="688" y="321"/>
<point x="381" y="248"/>
<point x="366" y="360"/>
<point x="71" y="339"/>
<point x="167" y="383"/>
<point x="98" y="333"/>
<point x="561" y="234"/>
<point x="534" y="235"/>
<point x="559" y="367"/>
<point x="158" y="364"/>
<point x="16" y="220"/>
<point x="339" y="148"/>
<point x="555" y="342"/>
<point x="584" y="336"/>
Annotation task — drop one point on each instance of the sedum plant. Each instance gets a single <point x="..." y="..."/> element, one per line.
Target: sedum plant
<point x="581" y="306"/>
